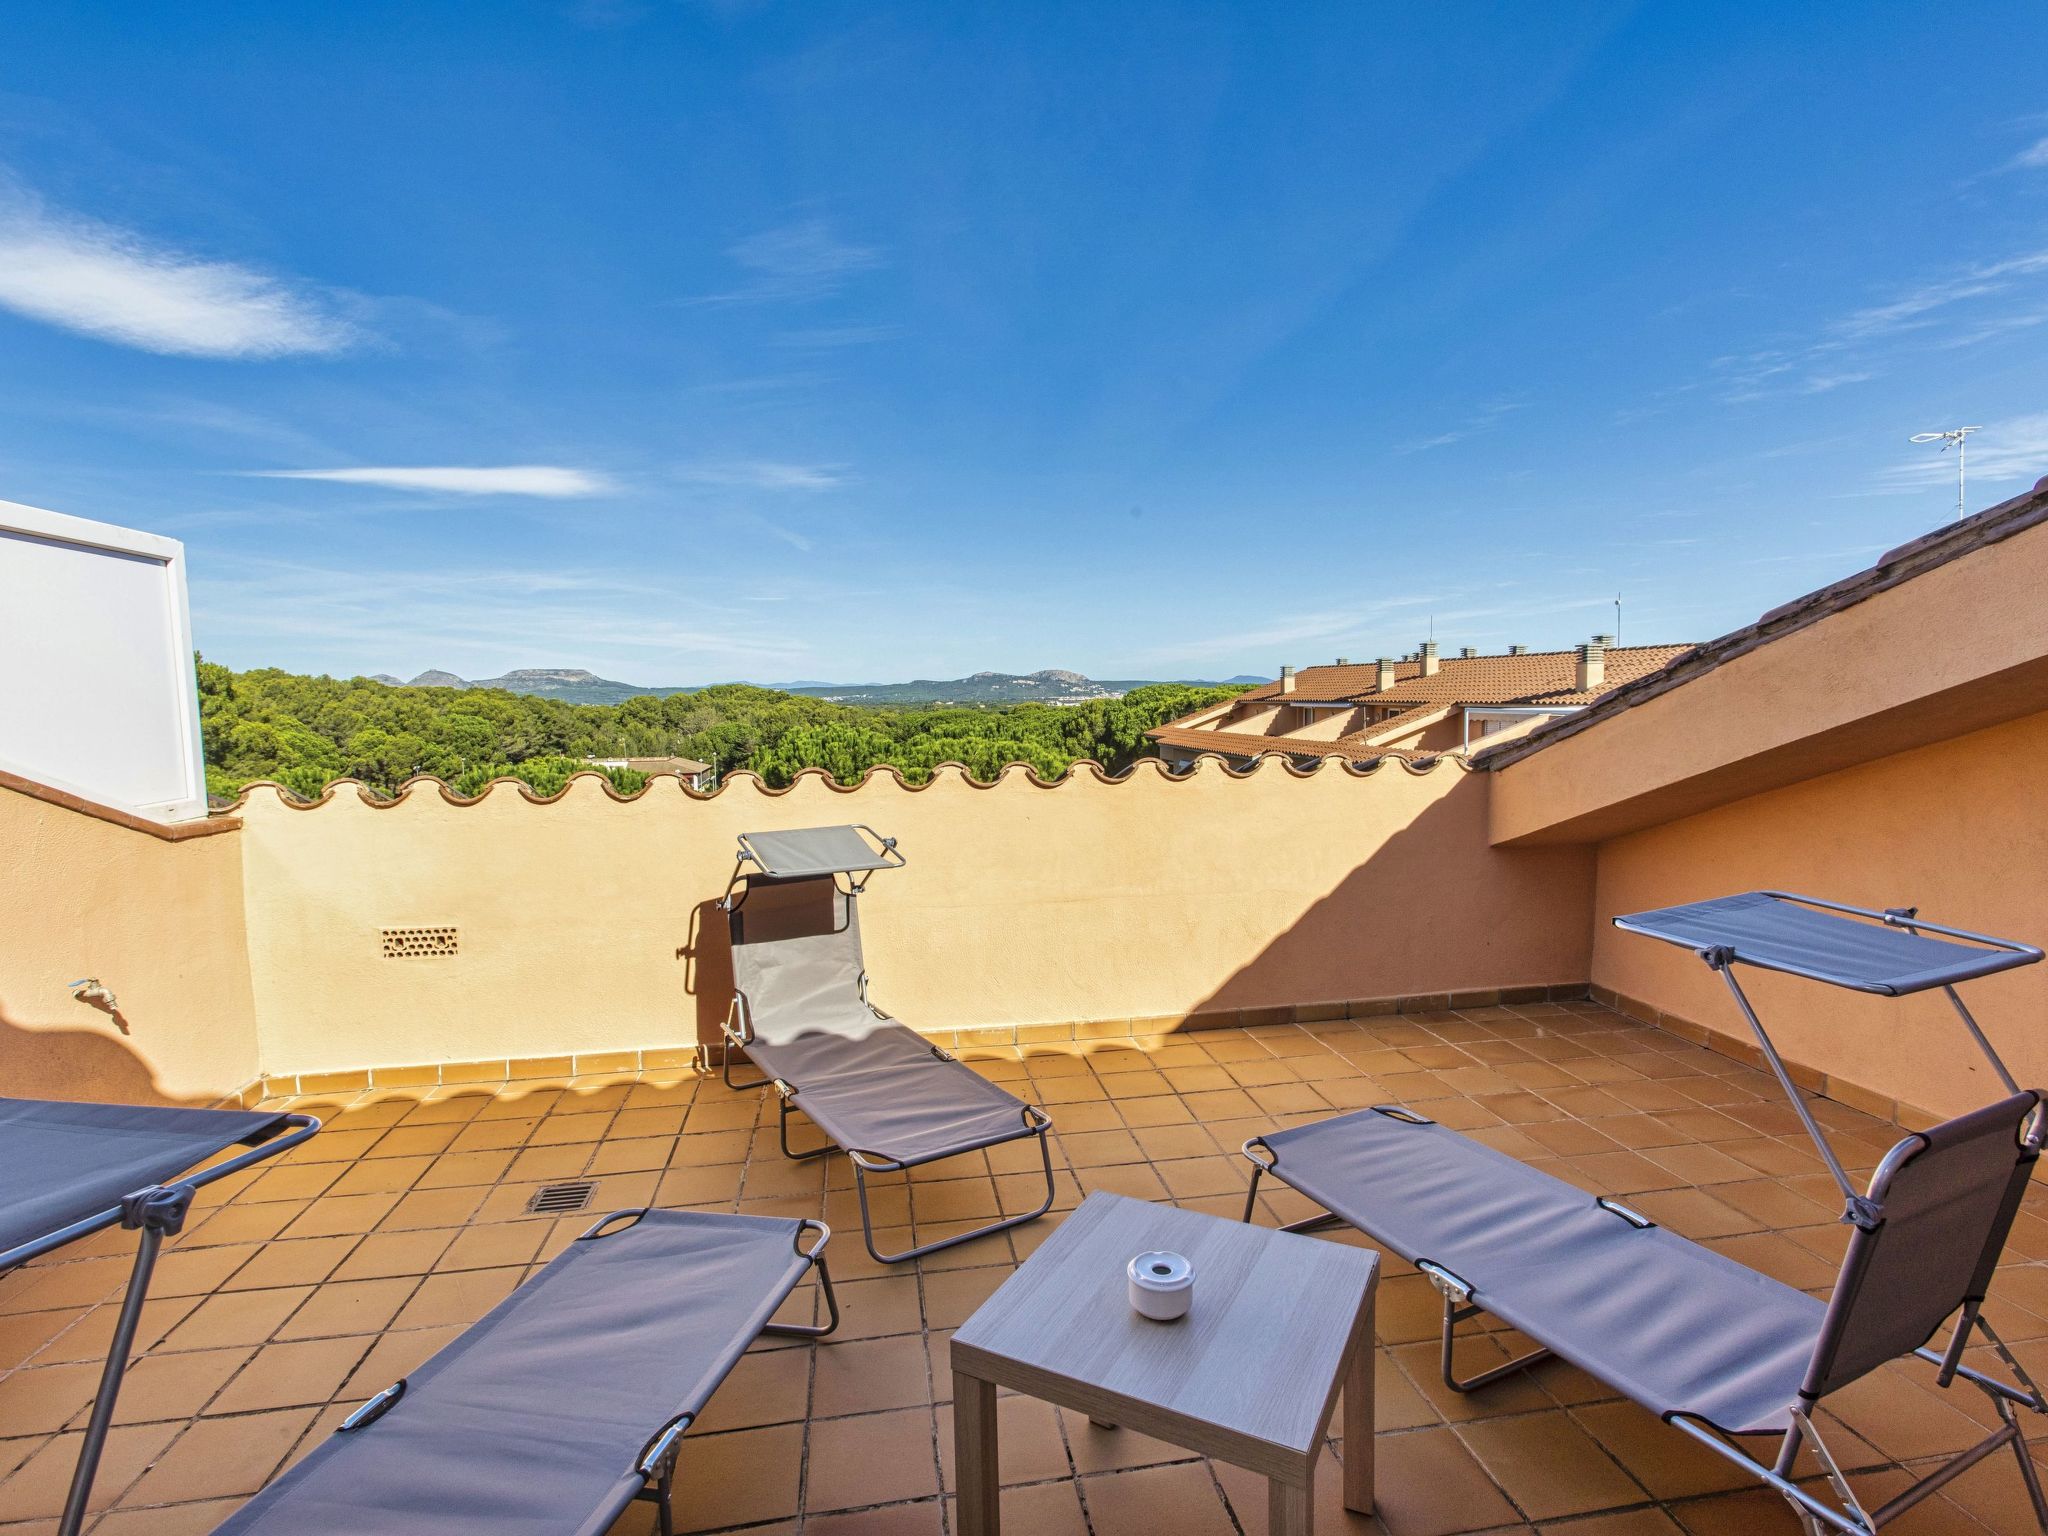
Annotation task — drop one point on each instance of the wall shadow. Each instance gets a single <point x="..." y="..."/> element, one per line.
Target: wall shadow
<point x="77" y="1064"/>
<point x="1434" y="909"/>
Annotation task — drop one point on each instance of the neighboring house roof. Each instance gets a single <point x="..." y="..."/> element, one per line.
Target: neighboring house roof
<point x="1532" y="679"/>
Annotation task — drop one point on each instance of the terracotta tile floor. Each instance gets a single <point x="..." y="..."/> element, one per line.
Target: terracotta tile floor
<point x="326" y="1276"/>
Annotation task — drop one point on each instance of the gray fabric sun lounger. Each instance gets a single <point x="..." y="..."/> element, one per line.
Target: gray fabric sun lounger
<point x="566" y="1401"/>
<point x="1710" y="1346"/>
<point x="883" y="1094"/>
<point x="73" y="1169"/>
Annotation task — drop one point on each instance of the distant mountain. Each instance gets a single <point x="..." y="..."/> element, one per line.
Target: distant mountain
<point x="1244" y="677"/>
<point x="576" y="686"/>
<point x="1051" y="686"/>
<point x="572" y="684"/>
<point x="387" y="679"/>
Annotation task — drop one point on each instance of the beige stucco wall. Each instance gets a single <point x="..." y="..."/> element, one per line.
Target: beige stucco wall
<point x="586" y="924"/>
<point x="159" y="922"/>
<point x="1958" y="829"/>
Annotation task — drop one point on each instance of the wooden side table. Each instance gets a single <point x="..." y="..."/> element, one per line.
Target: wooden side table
<point x="1279" y="1323"/>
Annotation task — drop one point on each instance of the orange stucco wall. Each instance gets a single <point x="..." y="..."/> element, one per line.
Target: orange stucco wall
<point x="586" y="925"/>
<point x="159" y="923"/>
<point x="1958" y="829"/>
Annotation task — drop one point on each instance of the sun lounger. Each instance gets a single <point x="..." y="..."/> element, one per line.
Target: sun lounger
<point x="566" y="1401"/>
<point x="1710" y="1346"/>
<point x="73" y="1169"/>
<point x="886" y="1096"/>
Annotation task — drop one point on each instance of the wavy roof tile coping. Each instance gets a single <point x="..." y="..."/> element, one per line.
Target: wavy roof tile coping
<point x="886" y="773"/>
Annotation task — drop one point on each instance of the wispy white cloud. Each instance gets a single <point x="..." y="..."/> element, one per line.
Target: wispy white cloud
<point x="2033" y="158"/>
<point x="115" y="285"/>
<point x="1291" y="629"/>
<point x="1969" y="306"/>
<point x="1485" y="417"/>
<point x="793" y="262"/>
<point x="1911" y="309"/>
<point x="766" y="475"/>
<point x="478" y="622"/>
<point x="825" y="338"/>
<point x="548" y="480"/>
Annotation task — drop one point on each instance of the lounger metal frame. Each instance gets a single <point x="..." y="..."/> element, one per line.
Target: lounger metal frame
<point x="737" y="1030"/>
<point x="657" y="1461"/>
<point x="154" y="1213"/>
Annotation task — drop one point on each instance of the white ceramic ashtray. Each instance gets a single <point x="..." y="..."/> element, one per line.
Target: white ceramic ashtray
<point x="1162" y="1286"/>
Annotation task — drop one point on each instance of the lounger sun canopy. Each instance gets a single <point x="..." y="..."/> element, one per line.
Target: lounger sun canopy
<point x="817" y="851"/>
<point x="66" y="1162"/>
<point x="535" y="1420"/>
<point x="1779" y="932"/>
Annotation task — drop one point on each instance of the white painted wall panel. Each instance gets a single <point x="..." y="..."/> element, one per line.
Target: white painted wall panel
<point x="97" y="690"/>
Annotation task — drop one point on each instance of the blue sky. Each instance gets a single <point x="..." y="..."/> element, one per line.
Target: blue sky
<point x="691" y="341"/>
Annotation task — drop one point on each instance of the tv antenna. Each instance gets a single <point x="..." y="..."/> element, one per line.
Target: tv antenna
<point x="1959" y="437"/>
<point x="1617" y="619"/>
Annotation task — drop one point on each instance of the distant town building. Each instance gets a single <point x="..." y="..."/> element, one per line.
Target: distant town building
<point x="696" y="775"/>
<point x="1420" y="705"/>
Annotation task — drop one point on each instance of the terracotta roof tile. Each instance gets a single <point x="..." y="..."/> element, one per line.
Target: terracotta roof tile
<point x="1535" y="678"/>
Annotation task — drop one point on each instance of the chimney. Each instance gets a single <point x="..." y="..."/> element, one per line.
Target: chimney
<point x="1592" y="665"/>
<point x="1518" y="650"/>
<point x="1467" y="652"/>
<point x="1428" y="655"/>
<point x="1605" y="641"/>
<point x="1287" y="679"/>
<point x="1386" y="675"/>
<point x="1343" y="661"/>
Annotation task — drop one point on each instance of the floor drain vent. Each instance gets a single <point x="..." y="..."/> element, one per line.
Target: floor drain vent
<point x="559" y="1199"/>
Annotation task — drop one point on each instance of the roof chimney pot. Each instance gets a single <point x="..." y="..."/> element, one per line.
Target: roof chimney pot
<point x="1592" y="669"/>
<point x="1287" y="679"/>
<point x="1428" y="655"/>
<point x="1343" y="661"/>
<point x="1385" y="680"/>
<point x="1518" y="650"/>
<point x="1467" y="652"/>
<point x="1603" y="640"/>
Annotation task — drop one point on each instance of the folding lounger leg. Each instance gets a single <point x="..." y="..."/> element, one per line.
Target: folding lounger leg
<point x="1306" y="1224"/>
<point x="817" y="1258"/>
<point x="863" y="1165"/>
<point x="1457" y="1308"/>
<point x="155" y="1212"/>
<point x="785" y="1095"/>
<point x="733" y="1033"/>
<point x="658" y="1466"/>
